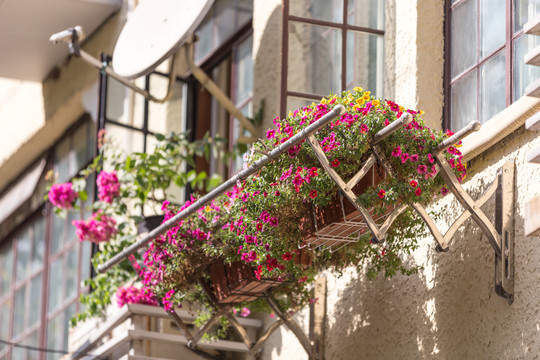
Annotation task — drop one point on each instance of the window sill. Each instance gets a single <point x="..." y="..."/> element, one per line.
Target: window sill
<point x="499" y="127"/>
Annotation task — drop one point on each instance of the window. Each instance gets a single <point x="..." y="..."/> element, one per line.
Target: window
<point x="43" y="264"/>
<point x="486" y="71"/>
<point x="331" y="46"/>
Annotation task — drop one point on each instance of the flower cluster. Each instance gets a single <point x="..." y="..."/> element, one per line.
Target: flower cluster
<point x="134" y="295"/>
<point x="62" y="195"/>
<point x="99" y="228"/>
<point x="108" y="186"/>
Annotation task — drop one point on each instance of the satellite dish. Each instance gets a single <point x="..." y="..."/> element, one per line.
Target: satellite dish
<point x="153" y="32"/>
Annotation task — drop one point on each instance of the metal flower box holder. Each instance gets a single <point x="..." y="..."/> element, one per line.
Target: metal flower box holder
<point x="500" y="234"/>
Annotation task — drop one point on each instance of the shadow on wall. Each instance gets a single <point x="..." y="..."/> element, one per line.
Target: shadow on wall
<point x="450" y="309"/>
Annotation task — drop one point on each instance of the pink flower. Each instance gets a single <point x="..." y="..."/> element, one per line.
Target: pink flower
<point x="270" y="134"/>
<point x="302" y="279"/>
<point x="397" y="151"/>
<point x="108" y="186"/>
<point x="422" y="169"/>
<point x="167" y="304"/>
<point x="430" y="158"/>
<point x="381" y="194"/>
<point x="444" y="191"/>
<point x="99" y="228"/>
<point x="414" y="157"/>
<point x="364" y="128"/>
<point x="245" y="312"/>
<point x="133" y="295"/>
<point x="414" y="183"/>
<point x="313" y="194"/>
<point x="273" y="221"/>
<point x="62" y="195"/>
<point x="335" y="163"/>
<point x="404" y="158"/>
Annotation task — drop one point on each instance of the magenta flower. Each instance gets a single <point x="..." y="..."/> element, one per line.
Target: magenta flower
<point x="364" y="128"/>
<point x="404" y="158"/>
<point x="99" y="228"/>
<point x="273" y="221"/>
<point x="335" y="163"/>
<point x="422" y="169"/>
<point x="414" y="157"/>
<point x="397" y="151"/>
<point x="431" y="159"/>
<point x="313" y="194"/>
<point x="62" y="195"/>
<point x="108" y="186"/>
<point x="444" y="191"/>
<point x="270" y="134"/>
<point x="167" y="304"/>
<point x="133" y="295"/>
<point x="245" y="312"/>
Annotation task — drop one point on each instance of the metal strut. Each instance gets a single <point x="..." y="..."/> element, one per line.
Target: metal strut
<point x="499" y="234"/>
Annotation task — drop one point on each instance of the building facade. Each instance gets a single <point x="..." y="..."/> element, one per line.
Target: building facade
<point x="458" y="61"/>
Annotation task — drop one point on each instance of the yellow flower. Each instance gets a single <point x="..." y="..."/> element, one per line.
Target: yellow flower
<point x="401" y="108"/>
<point x="360" y="101"/>
<point x="290" y="113"/>
<point x="421" y="112"/>
<point x="323" y="101"/>
<point x="367" y="93"/>
<point x="358" y="89"/>
<point x="356" y="107"/>
<point x="208" y="209"/>
<point x="376" y="102"/>
<point x="365" y="97"/>
<point x="458" y="146"/>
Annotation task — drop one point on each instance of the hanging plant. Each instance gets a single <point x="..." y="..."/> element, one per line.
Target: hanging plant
<point x="260" y="224"/>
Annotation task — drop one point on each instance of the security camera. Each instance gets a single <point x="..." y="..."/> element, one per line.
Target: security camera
<point x="66" y="36"/>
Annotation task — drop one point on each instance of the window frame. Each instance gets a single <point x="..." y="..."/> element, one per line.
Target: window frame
<point x="507" y="48"/>
<point x="343" y="26"/>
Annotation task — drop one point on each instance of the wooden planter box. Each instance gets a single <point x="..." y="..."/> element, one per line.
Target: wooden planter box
<point x="236" y="283"/>
<point x="340" y="222"/>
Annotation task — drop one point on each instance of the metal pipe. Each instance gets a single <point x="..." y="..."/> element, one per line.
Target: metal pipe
<point x="281" y="149"/>
<point x="393" y="127"/>
<point x="470" y="128"/>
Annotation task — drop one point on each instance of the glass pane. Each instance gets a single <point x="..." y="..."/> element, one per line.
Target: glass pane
<point x="68" y="314"/>
<point x="245" y="11"/>
<point x="38" y="248"/>
<point x="224" y="15"/>
<point x="132" y="141"/>
<point x="86" y="248"/>
<point x="524" y="10"/>
<point x="294" y="103"/>
<point x="33" y="340"/>
<point x="6" y="269"/>
<point x="463" y="101"/>
<point x="5" y="312"/>
<point x="24" y="246"/>
<point x="463" y="50"/>
<point x="167" y="117"/>
<point x="55" y="284"/>
<point x="71" y="230"/>
<point x="244" y="71"/>
<point x="18" y="353"/>
<point x="314" y="59"/>
<point x="19" y="311"/>
<point x="81" y="147"/>
<point x="329" y="10"/>
<point x="36" y="297"/>
<point x="58" y="234"/>
<point x="237" y="163"/>
<point x="365" y="56"/>
<point x="492" y="87"/>
<point x="61" y="161"/>
<point x="116" y="95"/>
<point x="524" y="74"/>
<point x="492" y="25"/>
<point x="72" y="259"/>
<point x="205" y="34"/>
<point x="366" y="13"/>
<point x="54" y="335"/>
